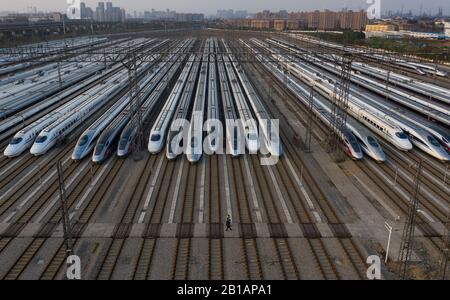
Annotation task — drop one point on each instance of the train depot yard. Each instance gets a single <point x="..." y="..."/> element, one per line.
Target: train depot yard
<point x="139" y="153"/>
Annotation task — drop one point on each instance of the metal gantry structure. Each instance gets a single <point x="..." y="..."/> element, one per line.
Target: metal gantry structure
<point x="132" y="64"/>
<point x="67" y="227"/>
<point x="339" y="108"/>
<point x="407" y="241"/>
<point x="309" y="123"/>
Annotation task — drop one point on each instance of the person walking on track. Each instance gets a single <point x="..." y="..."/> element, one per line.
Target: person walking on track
<point x="228" y="223"/>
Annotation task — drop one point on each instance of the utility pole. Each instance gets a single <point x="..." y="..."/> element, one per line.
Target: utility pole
<point x="67" y="227"/>
<point x="406" y="244"/>
<point x="309" y="121"/>
<point x="339" y="107"/>
<point x="136" y="104"/>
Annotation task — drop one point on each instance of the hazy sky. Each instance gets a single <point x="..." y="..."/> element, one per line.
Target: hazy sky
<point x="210" y="6"/>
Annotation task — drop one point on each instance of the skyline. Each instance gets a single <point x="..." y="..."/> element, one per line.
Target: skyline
<point x="211" y="6"/>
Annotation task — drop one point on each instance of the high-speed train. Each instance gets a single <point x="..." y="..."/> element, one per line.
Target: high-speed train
<point x="129" y="133"/>
<point x="34" y="93"/>
<point x="194" y="142"/>
<point x="386" y="129"/>
<point x="348" y="139"/>
<point x="212" y="113"/>
<point x="248" y="123"/>
<point x="176" y="142"/>
<point x="424" y="88"/>
<point x="367" y="112"/>
<point x="429" y="138"/>
<point x="48" y="137"/>
<point x="18" y="100"/>
<point x="160" y="128"/>
<point x="436" y="110"/>
<point x="86" y="142"/>
<point x="271" y="138"/>
<point x="23" y="139"/>
<point x="106" y="143"/>
<point x="233" y="140"/>
<point x="422" y="69"/>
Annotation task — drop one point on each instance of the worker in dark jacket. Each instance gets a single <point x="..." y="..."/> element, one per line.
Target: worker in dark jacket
<point x="228" y="223"/>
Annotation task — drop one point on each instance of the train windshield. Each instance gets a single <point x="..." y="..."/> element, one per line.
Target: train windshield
<point x="123" y="144"/>
<point x="401" y="135"/>
<point x="433" y="141"/>
<point x="194" y="142"/>
<point x="372" y="141"/>
<point x="155" y="137"/>
<point x="41" y="139"/>
<point x="99" y="148"/>
<point x="16" y="141"/>
<point x="83" y="140"/>
<point x="354" y="143"/>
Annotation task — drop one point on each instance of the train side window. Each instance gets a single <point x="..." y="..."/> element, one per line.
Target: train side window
<point x="433" y="141"/>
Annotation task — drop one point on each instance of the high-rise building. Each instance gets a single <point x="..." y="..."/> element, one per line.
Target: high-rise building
<point x="100" y="12"/>
<point x="313" y="19"/>
<point x="109" y="12"/>
<point x="83" y="10"/>
<point x="359" y="20"/>
<point x="327" y="20"/>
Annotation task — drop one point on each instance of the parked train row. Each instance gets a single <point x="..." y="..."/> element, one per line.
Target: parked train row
<point x="120" y="135"/>
<point x="201" y="72"/>
<point x="17" y="97"/>
<point x="12" y="60"/>
<point x="45" y="132"/>
<point x="418" y="68"/>
<point x="437" y="111"/>
<point x="355" y="139"/>
<point x="394" y="129"/>
<point x="428" y="90"/>
<point x="441" y="134"/>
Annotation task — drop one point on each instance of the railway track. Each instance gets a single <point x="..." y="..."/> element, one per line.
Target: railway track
<point x="318" y="197"/>
<point x="53" y="268"/>
<point x="423" y="225"/>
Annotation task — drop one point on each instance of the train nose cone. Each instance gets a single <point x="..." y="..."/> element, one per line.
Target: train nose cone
<point x="381" y="157"/>
<point x="97" y="159"/>
<point x="77" y="155"/>
<point x="171" y="155"/>
<point x="444" y="156"/>
<point x="154" y="148"/>
<point x="122" y="152"/>
<point x="36" y="150"/>
<point x="406" y="145"/>
<point x="9" y="151"/>
<point x="358" y="155"/>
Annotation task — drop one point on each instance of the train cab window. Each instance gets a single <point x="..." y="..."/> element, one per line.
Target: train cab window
<point x="83" y="140"/>
<point x="354" y="143"/>
<point x="433" y="141"/>
<point x="372" y="141"/>
<point x="253" y="136"/>
<point x="16" y="141"/>
<point x="99" y="149"/>
<point x="41" y="139"/>
<point x="401" y="135"/>
<point x="155" y="137"/>
<point x="194" y="142"/>
<point x="122" y="144"/>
